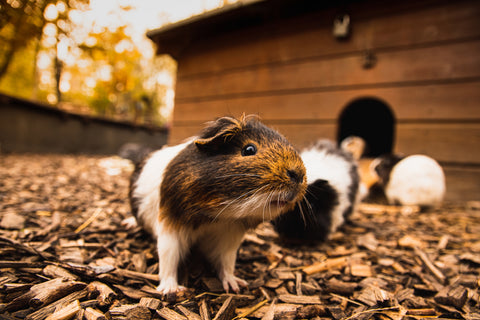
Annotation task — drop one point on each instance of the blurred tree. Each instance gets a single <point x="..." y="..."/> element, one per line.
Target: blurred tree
<point x="81" y="67"/>
<point x="120" y="82"/>
<point x="19" y="80"/>
<point x="22" y="21"/>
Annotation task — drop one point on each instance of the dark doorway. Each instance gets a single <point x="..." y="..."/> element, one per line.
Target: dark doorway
<point x="372" y="120"/>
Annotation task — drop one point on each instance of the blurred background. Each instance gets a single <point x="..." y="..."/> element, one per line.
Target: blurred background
<point x="92" y="57"/>
<point x="79" y="76"/>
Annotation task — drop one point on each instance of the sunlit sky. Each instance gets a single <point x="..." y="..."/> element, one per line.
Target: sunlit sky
<point x="139" y="15"/>
<point x="148" y="14"/>
<point x="144" y="14"/>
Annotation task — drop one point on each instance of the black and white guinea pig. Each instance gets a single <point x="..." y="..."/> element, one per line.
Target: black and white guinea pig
<point x="356" y="146"/>
<point x="412" y="180"/>
<point x="332" y="193"/>
<point x="209" y="190"/>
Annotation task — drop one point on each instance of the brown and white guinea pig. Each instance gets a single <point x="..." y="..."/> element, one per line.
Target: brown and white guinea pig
<point x="332" y="192"/>
<point x="209" y="190"/>
<point x="413" y="180"/>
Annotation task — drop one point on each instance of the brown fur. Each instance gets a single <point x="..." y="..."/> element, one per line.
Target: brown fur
<point x="208" y="191"/>
<point x="211" y="171"/>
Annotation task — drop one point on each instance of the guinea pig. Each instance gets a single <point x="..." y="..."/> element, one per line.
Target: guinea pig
<point x="210" y="189"/>
<point x="332" y="192"/>
<point x="413" y="180"/>
<point x="355" y="145"/>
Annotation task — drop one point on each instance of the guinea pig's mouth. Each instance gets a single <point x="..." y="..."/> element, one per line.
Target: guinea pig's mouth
<point x="280" y="203"/>
<point x="283" y="200"/>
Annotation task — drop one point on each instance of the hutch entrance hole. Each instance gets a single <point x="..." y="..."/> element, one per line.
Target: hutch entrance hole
<point x="372" y="120"/>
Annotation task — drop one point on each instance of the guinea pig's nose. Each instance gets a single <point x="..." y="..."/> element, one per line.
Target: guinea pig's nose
<point x="295" y="176"/>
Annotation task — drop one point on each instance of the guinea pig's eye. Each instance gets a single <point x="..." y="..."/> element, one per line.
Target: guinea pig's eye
<point x="249" y="150"/>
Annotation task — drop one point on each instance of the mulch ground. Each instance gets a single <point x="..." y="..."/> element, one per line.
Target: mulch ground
<point x="65" y="255"/>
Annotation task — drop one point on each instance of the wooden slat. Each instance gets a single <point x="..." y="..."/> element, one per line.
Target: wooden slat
<point x="300" y="135"/>
<point x="421" y="65"/>
<point x="303" y="135"/>
<point x="448" y="142"/>
<point x="452" y="101"/>
<point x="311" y="36"/>
<point x="180" y="133"/>
<point x="463" y="183"/>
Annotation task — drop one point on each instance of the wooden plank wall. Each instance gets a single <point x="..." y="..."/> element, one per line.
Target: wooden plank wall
<point x="30" y="127"/>
<point x="298" y="78"/>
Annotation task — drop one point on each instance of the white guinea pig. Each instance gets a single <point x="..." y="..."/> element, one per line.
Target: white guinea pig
<point x="413" y="180"/>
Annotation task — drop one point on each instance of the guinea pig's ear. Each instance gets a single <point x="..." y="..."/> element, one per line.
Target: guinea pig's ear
<point x="219" y="133"/>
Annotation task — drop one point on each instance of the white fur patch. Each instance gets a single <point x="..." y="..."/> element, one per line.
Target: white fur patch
<point x="327" y="166"/>
<point x="416" y="180"/>
<point x="147" y="187"/>
<point x="129" y="223"/>
<point x="171" y="247"/>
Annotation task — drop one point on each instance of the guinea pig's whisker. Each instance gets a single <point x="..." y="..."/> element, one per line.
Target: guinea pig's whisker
<point x="280" y="198"/>
<point x="274" y="193"/>
<point x="311" y="193"/>
<point x="231" y="202"/>
<point x="251" y="193"/>
<point x="265" y="204"/>
<point x="258" y="190"/>
<point x="263" y="209"/>
<point x="271" y="201"/>
<point x="309" y="207"/>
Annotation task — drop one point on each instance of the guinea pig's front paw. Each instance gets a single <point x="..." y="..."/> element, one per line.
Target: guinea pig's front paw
<point x="129" y="223"/>
<point x="230" y="281"/>
<point x="169" y="286"/>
